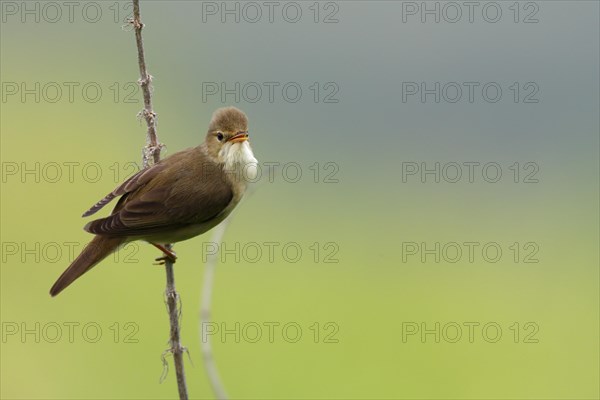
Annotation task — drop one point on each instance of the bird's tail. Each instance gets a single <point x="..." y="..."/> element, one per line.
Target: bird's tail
<point x="96" y="250"/>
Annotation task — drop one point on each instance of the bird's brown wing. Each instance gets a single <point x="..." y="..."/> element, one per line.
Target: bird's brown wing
<point x="130" y="185"/>
<point x="192" y="194"/>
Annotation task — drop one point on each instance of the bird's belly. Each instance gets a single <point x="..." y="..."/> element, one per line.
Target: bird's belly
<point x="189" y="231"/>
<point x="180" y="234"/>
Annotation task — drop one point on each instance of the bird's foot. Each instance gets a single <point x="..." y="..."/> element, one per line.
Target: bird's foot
<point x="169" y="254"/>
<point x="162" y="260"/>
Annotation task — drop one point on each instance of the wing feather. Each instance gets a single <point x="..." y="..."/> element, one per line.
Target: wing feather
<point x="139" y="179"/>
<point x="192" y="194"/>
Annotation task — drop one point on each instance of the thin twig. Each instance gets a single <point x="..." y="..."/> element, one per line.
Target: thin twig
<point x="176" y="348"/>
<point x="151" y="151"/>
<point x="153" y="146"/>
<point x="205" y="315"/>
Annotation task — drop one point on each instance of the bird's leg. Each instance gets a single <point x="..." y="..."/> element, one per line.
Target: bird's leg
<point x="168" y="254"/>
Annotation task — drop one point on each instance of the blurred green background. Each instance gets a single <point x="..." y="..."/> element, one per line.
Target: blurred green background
<point x="366" y="216"/>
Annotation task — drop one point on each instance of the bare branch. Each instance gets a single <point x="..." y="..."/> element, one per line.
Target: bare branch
<point x="176" y="348"/>
<point x="153" y="146"/>
<point x="151" y="151"/>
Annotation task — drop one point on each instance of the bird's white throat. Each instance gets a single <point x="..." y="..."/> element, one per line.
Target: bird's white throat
<point x="239" y="160"/>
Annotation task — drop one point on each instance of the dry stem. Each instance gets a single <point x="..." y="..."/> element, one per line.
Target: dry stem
<point x="151" y="151"/>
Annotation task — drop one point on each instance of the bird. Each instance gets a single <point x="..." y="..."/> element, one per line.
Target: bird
<point x="177" y="198"/>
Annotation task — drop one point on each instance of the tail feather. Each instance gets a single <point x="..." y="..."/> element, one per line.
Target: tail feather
<point x="97" y="250"/>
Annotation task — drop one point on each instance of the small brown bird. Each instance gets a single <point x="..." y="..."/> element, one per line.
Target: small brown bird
<point x="178" y="198"/>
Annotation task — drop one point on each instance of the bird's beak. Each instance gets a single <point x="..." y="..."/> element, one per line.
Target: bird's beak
<point x="240" y="137"/>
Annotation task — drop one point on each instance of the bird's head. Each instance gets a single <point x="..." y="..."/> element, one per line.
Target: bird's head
<point x="227" y="141"/>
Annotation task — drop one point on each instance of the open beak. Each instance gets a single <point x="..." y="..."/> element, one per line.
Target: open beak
<point x="240" y="137"/>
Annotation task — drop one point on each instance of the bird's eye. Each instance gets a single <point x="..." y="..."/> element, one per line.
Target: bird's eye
<point x="220" y="136"/>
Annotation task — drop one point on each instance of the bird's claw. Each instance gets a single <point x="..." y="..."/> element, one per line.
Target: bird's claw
<point x="162" y="260"/>
<point x="168" y="254"/>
